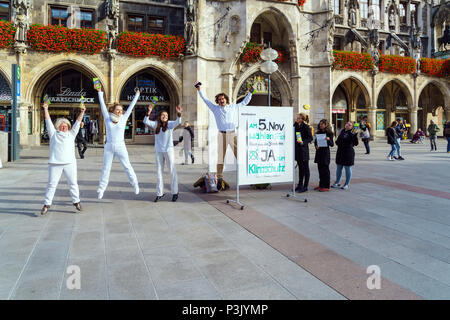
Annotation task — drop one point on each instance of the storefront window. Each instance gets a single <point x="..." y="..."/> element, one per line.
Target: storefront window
<point x="381" y="120"/>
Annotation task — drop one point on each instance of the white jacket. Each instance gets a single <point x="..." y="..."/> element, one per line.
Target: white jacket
<point x="62" y="144"/>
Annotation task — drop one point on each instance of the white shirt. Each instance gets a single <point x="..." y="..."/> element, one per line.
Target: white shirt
<point x="163" y="140"/>
<point x="62" y="144"/>
<point x="225" y="116"/>
<point x="115" y="131"/>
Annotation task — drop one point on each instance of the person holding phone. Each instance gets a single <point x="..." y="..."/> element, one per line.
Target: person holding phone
<point x="62" y="157"/>
<point x="115" y="122"/>
<point x="345" y="154"/>
<point x="164" y="149"/>
<point x="224" y="113"/>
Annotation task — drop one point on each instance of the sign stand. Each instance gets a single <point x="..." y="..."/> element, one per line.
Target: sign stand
<point x="237" y="173"/>
<point x="293" y="195"/>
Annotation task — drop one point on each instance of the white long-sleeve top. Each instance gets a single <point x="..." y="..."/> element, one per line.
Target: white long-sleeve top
<point x="163" y="140"/>
<point x="226" y="116"/>
<point x="115" y="131"/>
<point x="62" y="144"/>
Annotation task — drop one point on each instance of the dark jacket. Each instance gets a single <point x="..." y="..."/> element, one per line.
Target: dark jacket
<point x="191" y="132"/>
<point x="447" y="129"/>
<point x="391" y="135"/>
<point x="345" y="154"/>
<point x="79" y="137"/>
<point x="302" y="150"/>
<point x="323" y="153"/>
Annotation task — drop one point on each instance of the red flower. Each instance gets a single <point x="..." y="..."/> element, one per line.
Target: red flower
<point x="346" y="60"/>
<point x="252" y="53"/>
<point x="7" y="31"/>
<point x="397" y="64"/>
<point x="435" y="67"/>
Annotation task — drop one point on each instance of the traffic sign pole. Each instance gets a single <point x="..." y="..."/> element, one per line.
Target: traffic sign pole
<point x="15" y="114"/>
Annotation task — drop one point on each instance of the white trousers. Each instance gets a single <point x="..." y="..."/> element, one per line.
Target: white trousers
<point x="169" y="157"/>
<point x="119" y="151"/>
<point x="54" y="174"/>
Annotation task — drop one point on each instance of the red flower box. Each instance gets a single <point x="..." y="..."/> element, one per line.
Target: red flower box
<point x="252" y="53"/>
<point x="62" y="39"/>
<point x="355" y="61"/>
<point x="7" y="31"/>
<point x="397" y="64"/>
<point x="435" y="67"/>
<point x="144" y="44"/>
<point x="300" y="2"/>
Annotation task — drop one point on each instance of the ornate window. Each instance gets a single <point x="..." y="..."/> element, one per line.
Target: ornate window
<point x="86" y="19"/>
<point x="336" y="6"/>
<point x="364" y="9"/>
<point x="135" y="23"/>
<point x="4" y="10"/>
<point x="156" y="25"/>
<point x="59" y="16"/>
<point x="403" y="13"/>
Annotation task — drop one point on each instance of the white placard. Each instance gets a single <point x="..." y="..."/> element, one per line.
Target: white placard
<point x="322" y="140"/>
<point x="265" y="145"/>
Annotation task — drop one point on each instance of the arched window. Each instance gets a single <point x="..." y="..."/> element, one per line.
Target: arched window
<point x="336" y="6"/>
<point x="364" y="8"/>
<point x="361" y="102"/>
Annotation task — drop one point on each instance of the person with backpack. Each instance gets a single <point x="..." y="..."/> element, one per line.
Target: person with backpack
<point x="322" y="157"/>
<point x="187" y="137"/>
<point x="391" y="135"/>
<point x="365" y="133"/>
<point x="345" y="154"/>
<point x="447" y="134"/>
<point x="303" y="138"/>
<point x="164" y="149"/>
<point x="433" y="130"/>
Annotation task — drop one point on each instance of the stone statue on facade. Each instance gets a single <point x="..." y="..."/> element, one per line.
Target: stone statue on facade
<point x="416" y="44"/>
<point x="374" y="44"/>
<point x="353" y="5"/>
<point x="21" y="8"/>
<point x="191" y="27"/>
<point x="112" y="23"/>
<point x="392" y="18"/>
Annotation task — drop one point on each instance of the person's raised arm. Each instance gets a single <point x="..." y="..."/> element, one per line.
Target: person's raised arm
<point x="48" y="121"/>
<point x="175" y="123"/>
<point x="208" y="102"/>
<point x="76" y="125"/>
<point x="102" y="102"/>
<point x="131" y="106"/>
<point x="147" y="121"/>
<point x="246" y="100"/>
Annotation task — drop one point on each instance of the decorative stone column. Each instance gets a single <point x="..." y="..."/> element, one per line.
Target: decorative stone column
<point x="413" y="120"/>
<point x="447" y="113"/>
<point x="372" y="117"/>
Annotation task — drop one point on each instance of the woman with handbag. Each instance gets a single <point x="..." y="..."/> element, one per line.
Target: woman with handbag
<point x="365" y="133"/>
<point x="345" y="154"/>
<point x="322" y="157"/>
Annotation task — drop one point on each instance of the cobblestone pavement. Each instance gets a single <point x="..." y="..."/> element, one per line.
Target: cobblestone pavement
<point x="394" y="216"/>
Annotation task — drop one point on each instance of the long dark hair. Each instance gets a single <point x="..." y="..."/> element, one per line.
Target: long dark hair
<point x="161" y="125"/>
<point x="328" y="128"/>
<point x="224" y="95"/>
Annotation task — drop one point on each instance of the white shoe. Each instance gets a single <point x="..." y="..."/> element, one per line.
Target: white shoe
<point x="335" y="185"/>
<point x="390" y="158"/>
<point x="136" y="189"/>
<point x="345" y="187"/>
<point x="100" y="194"/>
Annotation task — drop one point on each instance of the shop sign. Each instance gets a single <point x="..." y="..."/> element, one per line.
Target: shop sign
<point x="403" y="108"/>
<point x="338" y="110"/>
<point x="148" y="91"/>
<point x="68" y="96"/>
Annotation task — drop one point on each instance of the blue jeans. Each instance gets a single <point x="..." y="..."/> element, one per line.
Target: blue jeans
<point x="393" y="149"/>
<point x="348" y="174"/>
<point x="448" y="144"/>
<point x="397" y="144"/>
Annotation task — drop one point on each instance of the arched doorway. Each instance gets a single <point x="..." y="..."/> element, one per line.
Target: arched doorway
<point x="151" y="85"/>
<point x="65" y="85"/>
<point x="259" y="81"/>
<point x="5" y="104"/>
<point x="431" y="107"/>
<point x="350" y="102"/>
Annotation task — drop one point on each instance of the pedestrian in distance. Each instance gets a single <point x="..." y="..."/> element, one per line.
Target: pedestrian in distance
<point x="81" y="140"/>
<point x="322" y="157"/>
<point x="303" y="138"/>
<point x="345" y="154"/>
<point x="399" y="134"/>
<point x="62" y="157"/>
<point x="115" y="122"/>
<point x="391" y="135"/>
<point x="418" y="136"/>
<point x="164" y="149"/>
<point x="224" y="113"/>
<point x="365" y="133"/>
<point x="447" y="134"/>
<point x="187" y="137"/>
<point x="433" y="130"/>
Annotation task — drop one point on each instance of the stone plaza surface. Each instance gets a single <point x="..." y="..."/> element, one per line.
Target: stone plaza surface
<point x="395" y="216"/>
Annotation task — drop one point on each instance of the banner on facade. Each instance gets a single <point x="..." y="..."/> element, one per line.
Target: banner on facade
<point x="265" y="145"/>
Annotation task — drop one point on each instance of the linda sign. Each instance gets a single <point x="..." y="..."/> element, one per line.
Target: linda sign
<point x="68" y="96"/>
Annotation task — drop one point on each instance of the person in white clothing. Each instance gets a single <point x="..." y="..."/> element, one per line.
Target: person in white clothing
<point x="62" y="157"/>
<point x="115" y="123"/>
<point x="224" y="113"/>
<point x="164" y="149"/>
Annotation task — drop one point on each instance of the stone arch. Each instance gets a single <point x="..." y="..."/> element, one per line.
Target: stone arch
<point x="279" y="78"/>
<point x="44" y="71"/>
<point x="407" y="90"/>
<point x="170" y="80"/>
<point x="6" y="75"/>
<point x="443" y="88"/>
<point x="359" y="80"/>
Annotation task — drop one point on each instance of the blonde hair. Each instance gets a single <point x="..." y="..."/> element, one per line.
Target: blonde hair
<point x="59" y="121"/>
<point x="304" y="117"/>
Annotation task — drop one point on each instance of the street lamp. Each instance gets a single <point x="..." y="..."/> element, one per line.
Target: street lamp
<point x="268" y="66"/>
